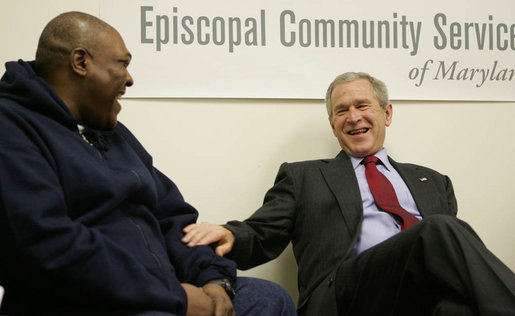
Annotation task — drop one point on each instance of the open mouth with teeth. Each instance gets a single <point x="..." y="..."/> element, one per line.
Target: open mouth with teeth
<point x="119" y="96"/>
<point x="358" y="131"/>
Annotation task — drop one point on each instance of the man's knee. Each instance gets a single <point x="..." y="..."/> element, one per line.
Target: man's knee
<point x="261" y="297"/>
<point x="447" y="224"/>
<point x="453" y="308"/>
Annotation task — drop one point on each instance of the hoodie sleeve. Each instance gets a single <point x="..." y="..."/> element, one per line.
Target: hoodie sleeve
<point x="195" y="265"/>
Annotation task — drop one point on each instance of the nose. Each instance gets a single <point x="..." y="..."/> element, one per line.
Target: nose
<point x="353" y="114"/>
<point x="129" y="81"/>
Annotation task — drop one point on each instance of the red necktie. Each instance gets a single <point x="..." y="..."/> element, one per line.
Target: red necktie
<point x="384" y="194"/>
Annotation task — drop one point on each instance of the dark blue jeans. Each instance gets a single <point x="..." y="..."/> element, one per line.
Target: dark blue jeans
<point x="257" y="297"/>
<point x="254" y="297"/>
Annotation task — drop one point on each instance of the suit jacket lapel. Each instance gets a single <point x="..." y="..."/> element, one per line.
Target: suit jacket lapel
<point x="341" y="180"/>
<point x="421" y="187"/>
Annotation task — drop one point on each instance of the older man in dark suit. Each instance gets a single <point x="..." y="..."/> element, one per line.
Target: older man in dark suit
<point x="371" y="236"/>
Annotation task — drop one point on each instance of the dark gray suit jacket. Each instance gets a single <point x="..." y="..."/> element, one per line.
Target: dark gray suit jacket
<point x="317" y="206"/>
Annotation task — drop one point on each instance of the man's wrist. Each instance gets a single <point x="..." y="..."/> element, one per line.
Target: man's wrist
<point x="226" y="284"/>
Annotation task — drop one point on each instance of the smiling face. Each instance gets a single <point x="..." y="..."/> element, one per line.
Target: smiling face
<point x="105" y="82"/>
<point x="358" y="120"/>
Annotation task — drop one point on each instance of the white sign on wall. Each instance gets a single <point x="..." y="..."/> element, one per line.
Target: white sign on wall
<point x="437" y="50"/>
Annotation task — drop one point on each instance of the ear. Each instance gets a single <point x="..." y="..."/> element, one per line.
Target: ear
<point x="388" y="111"/>
<point x="79" y="60"/>
<point x="332" y="126"/>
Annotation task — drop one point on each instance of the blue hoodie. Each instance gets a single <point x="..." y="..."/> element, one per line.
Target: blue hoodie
<point x="87" y="229"/>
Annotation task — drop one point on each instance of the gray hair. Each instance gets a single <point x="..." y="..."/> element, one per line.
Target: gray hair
<point x="380" y="90"/>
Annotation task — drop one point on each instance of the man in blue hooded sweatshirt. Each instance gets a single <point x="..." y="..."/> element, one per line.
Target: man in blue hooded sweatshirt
<point x="87" y="224"/>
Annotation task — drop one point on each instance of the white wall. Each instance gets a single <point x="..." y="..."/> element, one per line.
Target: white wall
<point x="224" y="153"/>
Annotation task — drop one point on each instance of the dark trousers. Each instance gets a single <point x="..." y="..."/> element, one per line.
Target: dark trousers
<point x="437" y="267"/>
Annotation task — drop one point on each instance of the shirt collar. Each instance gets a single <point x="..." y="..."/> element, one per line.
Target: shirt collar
<point x="382" y="155"/>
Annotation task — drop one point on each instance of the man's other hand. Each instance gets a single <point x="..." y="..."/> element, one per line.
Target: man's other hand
<point x="199" y="303"/>
<point x="222" y="303"/>
<point x="209" y="300"/>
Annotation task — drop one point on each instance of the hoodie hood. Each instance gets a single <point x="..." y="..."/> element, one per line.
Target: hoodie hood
<point x="21" y="84"/>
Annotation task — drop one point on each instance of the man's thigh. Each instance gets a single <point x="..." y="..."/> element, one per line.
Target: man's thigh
<point x="261" y="297"/>
<point x="393" y="276"/>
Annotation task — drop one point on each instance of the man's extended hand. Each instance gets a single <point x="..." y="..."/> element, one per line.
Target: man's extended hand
<point x="206" y="234"/>
<point x="209" y="300"/>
